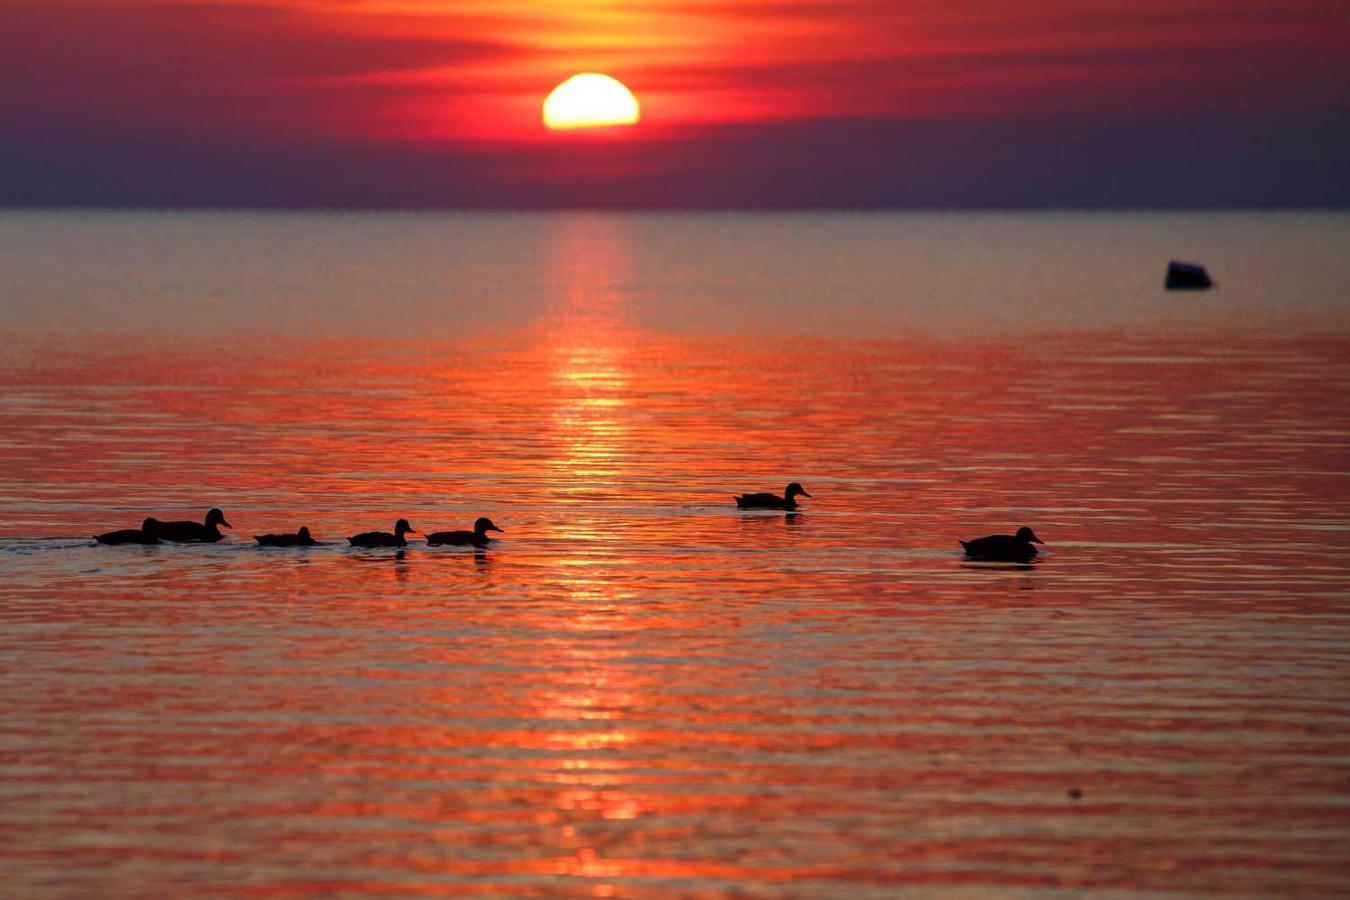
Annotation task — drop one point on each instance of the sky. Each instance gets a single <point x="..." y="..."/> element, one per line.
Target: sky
<point x="755" y="103"/>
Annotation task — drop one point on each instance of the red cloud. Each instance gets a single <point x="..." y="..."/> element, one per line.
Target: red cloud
<point x="152" y="66"/>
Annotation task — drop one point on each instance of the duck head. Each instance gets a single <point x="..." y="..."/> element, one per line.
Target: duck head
<point x="303" y="533"/>
<point x="484" y="525"/>
<point x="216" y="517"/>
<point x="402" y="527"/>
<point x="795" y="489"/>
<point x="1027" y="536"/>
<point x="150" y="527"/>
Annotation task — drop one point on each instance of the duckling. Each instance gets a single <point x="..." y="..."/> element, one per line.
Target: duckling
<point x="1004" y="547"/>
<point x="148" y="533"/>
<point x="478" y="537"/>
<point x="301" y="538"/>
<point x="772" y="501"/>
<point x="383" y="538"/>
<point x="189" y="532"/>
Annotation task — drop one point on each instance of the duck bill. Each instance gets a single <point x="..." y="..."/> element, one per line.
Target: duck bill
<point x="226" y="524"/>
<point x="805" y="494"/>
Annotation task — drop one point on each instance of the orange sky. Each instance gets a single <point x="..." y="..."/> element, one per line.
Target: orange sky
<point x="471" y="74"/>
<point x="478" y="69"/>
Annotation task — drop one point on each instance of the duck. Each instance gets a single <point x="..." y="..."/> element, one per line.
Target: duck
<point x="383" y="538"/>
<point x="301" y="538"/>
<point x="772" y="501"/>
<point x="188" y="532"/>
<point x="148" y="533"/>
<point x="1004" y="547"/>
<point x="478" y="537"/>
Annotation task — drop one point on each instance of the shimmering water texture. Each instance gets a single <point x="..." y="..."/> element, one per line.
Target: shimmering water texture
<point x="641" y="691"/>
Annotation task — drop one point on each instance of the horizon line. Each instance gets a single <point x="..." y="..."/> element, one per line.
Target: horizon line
<point x="655" y="208"/>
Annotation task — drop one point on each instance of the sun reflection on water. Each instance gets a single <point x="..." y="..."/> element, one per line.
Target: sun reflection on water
<point x="590" y="690"/>
<point x="589" y="344"/>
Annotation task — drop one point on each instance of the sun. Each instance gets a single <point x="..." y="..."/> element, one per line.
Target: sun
<point x="590" y="100"/>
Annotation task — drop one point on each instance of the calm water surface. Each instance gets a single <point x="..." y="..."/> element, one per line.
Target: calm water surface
<point x="640" y="691"/>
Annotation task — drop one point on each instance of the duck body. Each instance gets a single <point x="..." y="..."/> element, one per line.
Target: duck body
<point x="383" y="538"/>
<point x="148" y="533"/>
<point x="772" y="501"/>
<point x="476" y="538"/>
<point x="195" y="532"/>
<point x="1004" y="547"/>
<point x="302" y="538"/>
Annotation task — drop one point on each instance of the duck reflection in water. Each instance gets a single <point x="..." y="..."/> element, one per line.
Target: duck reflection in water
<point x="789" y="519"/>
<point x="995" y="566"/>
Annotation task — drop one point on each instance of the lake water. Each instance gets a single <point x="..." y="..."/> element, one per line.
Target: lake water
<point x="640" y="691"/>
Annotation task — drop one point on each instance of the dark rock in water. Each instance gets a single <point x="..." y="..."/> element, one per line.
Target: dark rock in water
<point x="1187" y="277"/>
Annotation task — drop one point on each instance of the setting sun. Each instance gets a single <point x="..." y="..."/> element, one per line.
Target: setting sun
<point x="590" y="100"/>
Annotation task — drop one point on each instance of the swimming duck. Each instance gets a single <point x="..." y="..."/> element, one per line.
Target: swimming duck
<point x="478" y="537"/>
<point x="148" y="533"/>
<point x="300" y="539"/>
<point x="772" y="501"/>
<point x="383" y="538"/>
<point x="187" y="532"/>
<point x="1004" y="547"/>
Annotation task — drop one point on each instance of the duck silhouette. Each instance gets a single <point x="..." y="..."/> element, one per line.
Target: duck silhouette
<point x="772" y="501"/>
<point x="190" y="532"/>
<point x="383" y="538"/>
<point x="148" y="533"/>
<point x="301" y="538"/>
<point x="477" y="538"/>
<point x="1004" y="547"/>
